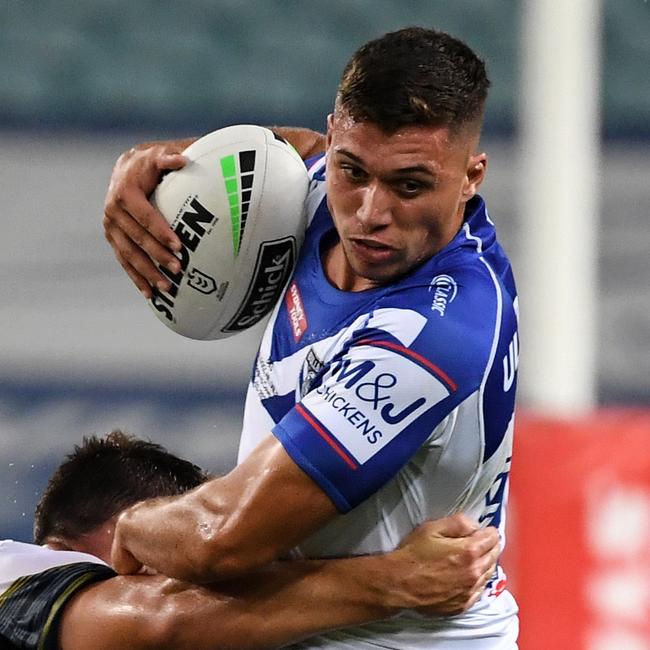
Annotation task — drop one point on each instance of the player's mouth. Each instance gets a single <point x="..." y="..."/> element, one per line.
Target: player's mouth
<point x="372" y="251"/>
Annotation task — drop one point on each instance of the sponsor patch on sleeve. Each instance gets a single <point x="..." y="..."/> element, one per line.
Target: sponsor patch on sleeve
<point x="376" y="391"/>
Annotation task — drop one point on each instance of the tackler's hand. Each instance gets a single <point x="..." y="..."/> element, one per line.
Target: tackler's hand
<point x="448" y="562"/>
<point x="139" y="234"/>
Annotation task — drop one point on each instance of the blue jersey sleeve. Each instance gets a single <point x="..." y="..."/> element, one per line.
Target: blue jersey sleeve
<point x="383" y="396"/>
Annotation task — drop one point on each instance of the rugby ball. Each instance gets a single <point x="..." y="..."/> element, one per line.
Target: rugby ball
<point x="238" y="209"/>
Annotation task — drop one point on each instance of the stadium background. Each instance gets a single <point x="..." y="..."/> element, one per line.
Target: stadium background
<point x="80" y="352"/>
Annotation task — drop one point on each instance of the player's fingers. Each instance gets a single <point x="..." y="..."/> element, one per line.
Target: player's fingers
<point x="485" y="578"/>
<point x="123" y="562"/>
<point x="171" y="161"/>
<point x="142" y="271"/>
<point x="142" y="239"/>
<point x="478" y="589"/>
<point x="491" y="560"/>
<point x="470" y="602"/>
<point x="470" y="596"/>
<point x="485" y="571"/>
<point x="484" y="541"/>
<point x="140" y="282"/>
<point x="132" y="204"/>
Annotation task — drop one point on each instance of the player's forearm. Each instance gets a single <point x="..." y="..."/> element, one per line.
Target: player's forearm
<point x="287" y="602"/>
<point x="291" y="601"/>
<point x="271" y="607"/>
<point x="173" y="145"/>
<point x="306" y="142"/>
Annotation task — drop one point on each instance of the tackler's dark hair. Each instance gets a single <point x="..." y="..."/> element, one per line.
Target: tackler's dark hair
<point x="102" y="477"/>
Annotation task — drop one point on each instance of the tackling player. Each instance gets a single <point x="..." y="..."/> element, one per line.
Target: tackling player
<point x="383" y="391"/>
<point x="61" y="593"/>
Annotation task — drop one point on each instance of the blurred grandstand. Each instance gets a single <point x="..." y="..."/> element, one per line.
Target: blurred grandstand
<point x="82" y="81"/>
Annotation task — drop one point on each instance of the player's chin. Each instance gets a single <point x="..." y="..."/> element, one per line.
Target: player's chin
<point x="381" y="274"/>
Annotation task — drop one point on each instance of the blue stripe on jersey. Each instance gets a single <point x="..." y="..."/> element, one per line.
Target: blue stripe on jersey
<point x="278" y="405"/>
<point x="498" y="400"/>
<point x="496" y="498"/>
<point x="316" y="167"/>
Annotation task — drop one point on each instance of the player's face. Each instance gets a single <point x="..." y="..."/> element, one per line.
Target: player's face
<point x="395" y="199"/>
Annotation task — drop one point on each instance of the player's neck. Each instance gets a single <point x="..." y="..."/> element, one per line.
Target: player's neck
<point x="340" y="273"/>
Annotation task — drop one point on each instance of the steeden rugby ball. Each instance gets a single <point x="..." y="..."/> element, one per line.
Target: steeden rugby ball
<point x="238" y="209"/>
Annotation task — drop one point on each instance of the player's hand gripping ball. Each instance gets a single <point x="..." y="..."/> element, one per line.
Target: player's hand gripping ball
<point x="238" y="209"/>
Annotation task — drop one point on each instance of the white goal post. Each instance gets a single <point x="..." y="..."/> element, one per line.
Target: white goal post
<point x="558" y="202"/>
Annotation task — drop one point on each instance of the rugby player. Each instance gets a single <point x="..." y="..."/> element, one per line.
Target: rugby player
<point x="391" y="399"/>
<point x="61" y="593"/>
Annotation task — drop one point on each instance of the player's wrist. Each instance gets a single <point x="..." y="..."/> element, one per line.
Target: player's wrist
<point x="411" y="583"/>
<point x="390" y="588"/>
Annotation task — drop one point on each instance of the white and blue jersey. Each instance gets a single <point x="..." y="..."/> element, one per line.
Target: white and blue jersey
<point x="398" y="401"/>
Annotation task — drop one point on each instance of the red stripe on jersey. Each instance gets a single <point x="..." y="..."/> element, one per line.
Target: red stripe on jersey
<point x="328" y="439"/>
<point x="414" y="355"/>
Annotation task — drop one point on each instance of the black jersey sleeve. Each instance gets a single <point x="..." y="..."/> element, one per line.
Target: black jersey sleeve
<point x="30" y="608"/>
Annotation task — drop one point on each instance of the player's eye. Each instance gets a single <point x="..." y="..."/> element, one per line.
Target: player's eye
<point x="409" y="187"/>
<point x="353" y="173"/>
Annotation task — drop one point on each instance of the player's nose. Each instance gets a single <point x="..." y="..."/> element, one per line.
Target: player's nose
<point x="375" y="209"/>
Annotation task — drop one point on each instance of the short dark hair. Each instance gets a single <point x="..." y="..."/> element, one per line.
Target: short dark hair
<point x="102" y="477"/>
<point x="414" y="76"/>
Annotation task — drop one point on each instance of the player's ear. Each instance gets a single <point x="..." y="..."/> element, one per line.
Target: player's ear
<point x="476" y="169"/>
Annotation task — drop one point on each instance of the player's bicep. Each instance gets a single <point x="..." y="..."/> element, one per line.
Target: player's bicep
<point x="272" y="504"/>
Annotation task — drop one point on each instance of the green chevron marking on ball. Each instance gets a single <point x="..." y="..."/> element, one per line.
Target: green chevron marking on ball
<point x="239" y="186"/>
